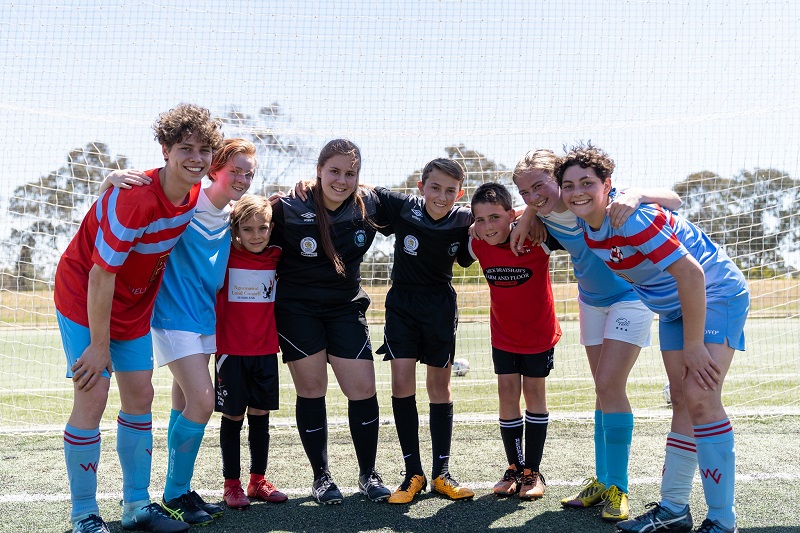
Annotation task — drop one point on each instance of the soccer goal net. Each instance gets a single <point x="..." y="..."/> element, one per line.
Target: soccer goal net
<point x="696" y="97"/>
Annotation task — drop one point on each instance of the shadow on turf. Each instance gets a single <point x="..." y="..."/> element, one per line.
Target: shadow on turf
<point x="427" y="513"/>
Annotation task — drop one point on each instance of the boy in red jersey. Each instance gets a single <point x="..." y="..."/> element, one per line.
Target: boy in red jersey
<point x="247" y="347"/>
<point x="522" y="341"/>
<point x="105" y="287"/>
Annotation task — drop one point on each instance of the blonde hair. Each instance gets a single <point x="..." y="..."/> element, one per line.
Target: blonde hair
<point x="544" y="160"/>
<point x="244" y="209"/>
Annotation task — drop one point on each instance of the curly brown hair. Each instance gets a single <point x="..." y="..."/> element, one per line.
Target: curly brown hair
<point x="180" y="122"/>
<point x="587" y="156"/>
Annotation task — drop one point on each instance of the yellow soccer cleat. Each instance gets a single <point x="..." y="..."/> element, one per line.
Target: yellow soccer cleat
<point x="591" y="494"/>
<point x="410" y="487"/>
<point x="616" y="506"/>
<point x="449" y="487"/>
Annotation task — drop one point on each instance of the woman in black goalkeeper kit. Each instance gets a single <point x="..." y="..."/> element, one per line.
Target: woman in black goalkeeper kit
<point x="321" y="312"/>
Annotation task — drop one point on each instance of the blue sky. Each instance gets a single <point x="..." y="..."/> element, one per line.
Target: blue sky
<point x="667" y="88"/>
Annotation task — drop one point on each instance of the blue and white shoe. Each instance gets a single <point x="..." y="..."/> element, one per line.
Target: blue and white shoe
<point x="90" y="524"/>
<point x="658" y="518"/>
<point x="712" y="526"/>
<point x="151" y="517"/>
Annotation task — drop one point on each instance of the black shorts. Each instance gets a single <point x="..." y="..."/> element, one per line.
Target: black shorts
<point x="537" y="365"/>
<point x="244" y="381"/>
<point x="338" y="326"/>
<point x="421" y="325"/>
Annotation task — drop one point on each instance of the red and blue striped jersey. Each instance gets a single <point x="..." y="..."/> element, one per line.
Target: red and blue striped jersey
<point x="128" y="232"/>
<point x="651" y="240"/>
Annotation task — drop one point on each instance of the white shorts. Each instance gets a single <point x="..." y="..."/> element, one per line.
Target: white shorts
<point x="628" y="321"/>
<point x="171" y="344"/>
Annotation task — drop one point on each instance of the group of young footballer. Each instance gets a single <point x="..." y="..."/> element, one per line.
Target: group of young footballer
<point x="120" y="303"/>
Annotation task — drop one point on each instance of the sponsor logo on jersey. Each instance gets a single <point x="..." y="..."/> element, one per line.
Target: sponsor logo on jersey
<point x="309" y="216"/>
<point x="410" y="245"/>
<point x="615" y="255"/>
<point x="308" y="247"/>
<point x="507" y="276"/>
<point x="453" y="250"/>
<point x="161" y="264"/>
<point x="360" y="238"/>
<point x="268" y="290"/>
<point x="416" y="214"/>
<point x="624" y="276"/>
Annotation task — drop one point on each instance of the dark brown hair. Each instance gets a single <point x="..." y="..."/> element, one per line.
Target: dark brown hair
<point x="587" y="156"/>
<point x="333" y="148"/>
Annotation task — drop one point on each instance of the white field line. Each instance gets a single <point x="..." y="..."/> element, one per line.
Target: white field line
<point x="305" y="491"/>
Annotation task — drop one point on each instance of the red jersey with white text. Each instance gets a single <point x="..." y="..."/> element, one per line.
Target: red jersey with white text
<point x="522" y="314"/>
<point x="246" y="304"/>
<point x="130" y="233"/>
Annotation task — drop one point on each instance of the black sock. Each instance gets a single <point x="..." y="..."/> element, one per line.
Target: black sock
<point x="258" y="440"/>
<point x="441" y="420"/>
<point x="406" y="419"/>
<point x="312" y="424"/>
<point x="230" y="445"/>
<point x="535" y="435"/>
<point x="511" y="433"/>
<point x="363" y="416"/>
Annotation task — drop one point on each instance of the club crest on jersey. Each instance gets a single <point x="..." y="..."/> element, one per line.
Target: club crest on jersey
<point x="360" y="238"/>
<point x="615" y="255"/>
<point x="416" y="214"/>
<point x="410" y="245"/>
<point x="308" y="247"/>
<point x="309" y="216"/>
<point x="453" y="250"/>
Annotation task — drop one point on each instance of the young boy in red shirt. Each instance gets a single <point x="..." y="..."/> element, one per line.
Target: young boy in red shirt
<point x="524" y="330"/>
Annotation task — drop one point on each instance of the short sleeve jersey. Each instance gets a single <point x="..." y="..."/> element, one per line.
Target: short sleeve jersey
<point x="128" y="232"/>
<point x="196" y="271"/>
<point x="304" y="262"/>
<point x="597" y="286"/>
<point x="651" y="240"/>
<point x="246" y="304"/>
<point x="425" y="249"/>
<point x="522" y="315"/>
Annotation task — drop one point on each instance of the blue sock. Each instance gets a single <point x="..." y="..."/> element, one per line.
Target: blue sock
<point x="600" y="448"/>
<point x="185" y="440"/>
<point x="173" y="416"/>
<point x="618" y="430"/>
<point x="135" y="450"/>
<point x="716" y="458"/>
<point x="82" y="456"/>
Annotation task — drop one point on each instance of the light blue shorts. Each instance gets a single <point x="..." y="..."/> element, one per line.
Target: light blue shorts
<point x="126" y="356"/>
<point x="724" y="322"/>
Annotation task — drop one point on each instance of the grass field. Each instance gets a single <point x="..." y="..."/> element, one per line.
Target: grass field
<point x="762" y="392"/>
<point x="34" y="496"/>
<point x="34" y="395"/>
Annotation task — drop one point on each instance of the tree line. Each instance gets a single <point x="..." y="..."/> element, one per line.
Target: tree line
<point x="752" y="214"/>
